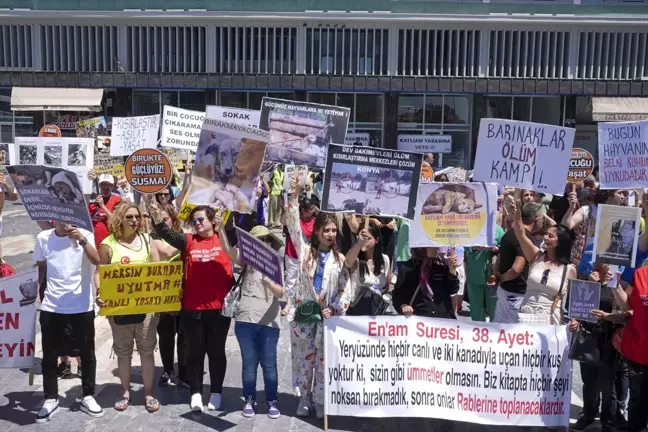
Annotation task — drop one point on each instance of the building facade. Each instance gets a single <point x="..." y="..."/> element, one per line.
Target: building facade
<point x="403" y="67"/>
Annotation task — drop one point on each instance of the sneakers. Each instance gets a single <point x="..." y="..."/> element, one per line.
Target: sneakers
<point x="273" y="411"/>
<point x="179" y="380"/>
<point x="64" y="371"/>
<point x="49" y="408"/>
<point x="196" y="403"/>
<point x="304" y="408"/>
<point x="620" y="421"/>
<point x="248" y="409"/>
<point x="164" y="380"/>
<point x="319" y="411"/>
<point x="90" y="406"/>
<point x="214" y="402"/>
<point x="582" y="423"/>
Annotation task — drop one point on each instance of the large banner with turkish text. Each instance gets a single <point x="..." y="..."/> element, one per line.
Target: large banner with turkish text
<point x="488" y="373"/>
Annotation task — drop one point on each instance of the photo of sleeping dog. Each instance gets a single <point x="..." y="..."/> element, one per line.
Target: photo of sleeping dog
<point x="227" y="166"/>
<point x="50" y="193"/>
<point x="300" y="131"/>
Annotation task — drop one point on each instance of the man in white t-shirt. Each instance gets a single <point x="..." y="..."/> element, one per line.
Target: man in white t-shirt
<point x="66" y="256"/>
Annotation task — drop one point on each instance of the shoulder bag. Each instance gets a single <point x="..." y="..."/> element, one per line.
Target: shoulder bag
<point x="233" y="298"/>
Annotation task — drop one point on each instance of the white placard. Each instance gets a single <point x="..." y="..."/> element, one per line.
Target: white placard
<point x="425" y="143"/>
<point x="357" y="138"/>
<point x="525" y="155"/>
<point x="18" y="311"/>
<point x="181" y="128"/>
<point x="133" y="133"/>
<point x="486" y="373"/>
<point x="234" y="115"/>
<point x="623" y="151"/>
<point x="73" y="154"/>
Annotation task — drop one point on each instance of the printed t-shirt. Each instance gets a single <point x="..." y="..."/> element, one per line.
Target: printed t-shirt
<point x="509" y="250"/>
<point x="307" y="232"/>
<point x="100" y="219"/>
<point x="208" y="273"/>
<point x="69" y="273"/>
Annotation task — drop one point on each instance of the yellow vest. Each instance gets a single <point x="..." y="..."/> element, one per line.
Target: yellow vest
<point x="277" y="182"/>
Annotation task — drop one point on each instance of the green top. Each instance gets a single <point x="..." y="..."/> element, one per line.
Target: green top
<point x="477" y="261"/>
<point x="277" y="182"/>
<point x="403" y="252"/>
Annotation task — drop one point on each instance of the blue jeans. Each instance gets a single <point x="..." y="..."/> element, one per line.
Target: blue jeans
<point x="258" y="345"/>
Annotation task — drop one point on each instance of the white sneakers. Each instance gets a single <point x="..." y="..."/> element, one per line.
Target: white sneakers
<point x="90" y="406"/>
<point x="49" y="408"/>
<point x="214" y="402"/>
<point x="196" y="403"/>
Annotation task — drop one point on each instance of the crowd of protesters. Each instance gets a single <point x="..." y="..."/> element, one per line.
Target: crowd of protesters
<point x="335" y="264"/>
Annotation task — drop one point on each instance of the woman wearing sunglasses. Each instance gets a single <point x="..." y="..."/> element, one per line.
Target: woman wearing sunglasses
<point x="208" y="279"/>
<point x="549" y="273"/>
<point x="127" y="244"/>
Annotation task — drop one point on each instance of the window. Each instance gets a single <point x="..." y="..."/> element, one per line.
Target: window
<point x="539" y="109"/>
<point x="146" y="103"/>
<point x="233" y="99"/>
<point x="250" y="100"/>
<point x="439" y="115"/>
<point x="150" y="102"/>
<point x="369" y="108"/>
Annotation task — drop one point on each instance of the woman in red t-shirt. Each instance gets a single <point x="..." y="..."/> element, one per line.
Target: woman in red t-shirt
<point x="208" y="278"/>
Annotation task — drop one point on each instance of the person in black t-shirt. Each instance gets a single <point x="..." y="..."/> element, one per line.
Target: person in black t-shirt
<point x="512" y="268"/>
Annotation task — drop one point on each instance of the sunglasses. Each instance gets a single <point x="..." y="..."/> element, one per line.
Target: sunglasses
<point x="199" y="220"/>
<point x="545" y="277"/>
<point x="131" y="217"/>
<point x="163" y="194"/>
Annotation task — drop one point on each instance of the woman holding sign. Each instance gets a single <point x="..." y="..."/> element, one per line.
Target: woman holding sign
<point x="322" y="290"/>
<point x="127" y="245"/>
<point x="208" y="279"/>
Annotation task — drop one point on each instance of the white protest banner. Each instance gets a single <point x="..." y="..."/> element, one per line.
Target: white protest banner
<point x="181" y="128"/>
<point x="623" y="154"/>
<point x="357" y="139"/>
<point x="18" y="319"/>
<point x="487" y="373"/>
<point x="241" y="116"/>
<point x="453" y="214"/>
<point x="425" y="143"/>
<point x="133" y="133"/>
<point x="523" y="154"/>
<point x="73" y="154"/>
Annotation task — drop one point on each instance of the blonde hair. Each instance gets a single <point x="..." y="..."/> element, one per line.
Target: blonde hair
<point x="118" y="216"/>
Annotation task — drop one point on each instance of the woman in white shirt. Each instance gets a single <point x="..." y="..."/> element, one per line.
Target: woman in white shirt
<point x="370" y="274"/>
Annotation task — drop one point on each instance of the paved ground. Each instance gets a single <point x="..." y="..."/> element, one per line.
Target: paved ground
<point x="19" y="401"/>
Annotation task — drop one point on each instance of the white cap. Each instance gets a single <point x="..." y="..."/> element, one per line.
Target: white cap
<point x="107" y="178"/>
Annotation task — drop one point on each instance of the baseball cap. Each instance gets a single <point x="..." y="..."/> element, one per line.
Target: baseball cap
<point x="106" y="178"/>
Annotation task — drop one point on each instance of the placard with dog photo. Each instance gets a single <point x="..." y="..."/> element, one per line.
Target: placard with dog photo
<point x="51" y="194"/>
<point x="300" y="131"/>
<point x="18" y="295"/>
<point x="455" y="214"/>
<point x="371" y="181"/>
<point x="227" y="165"/>
<point x="75" y="154"/>
<point x="616" y="235"/>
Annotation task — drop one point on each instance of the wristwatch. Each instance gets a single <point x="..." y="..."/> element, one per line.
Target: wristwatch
<point x="83" y="242"/>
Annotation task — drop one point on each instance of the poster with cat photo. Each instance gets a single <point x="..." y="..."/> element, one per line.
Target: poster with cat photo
<point x="616" y="235"/>
<point x="455" y="214"/>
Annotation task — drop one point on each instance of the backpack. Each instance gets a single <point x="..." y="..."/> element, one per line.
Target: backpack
<point x="6" y="269"/>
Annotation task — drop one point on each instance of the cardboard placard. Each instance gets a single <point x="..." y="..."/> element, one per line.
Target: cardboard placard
<point x="133" y="133"/>
<point x="181" y="128"/>
<point x="148" y="171"/>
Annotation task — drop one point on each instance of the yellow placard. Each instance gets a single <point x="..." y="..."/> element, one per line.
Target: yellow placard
<point x="105" y="164"/>
<point x="140" y="288"/>
<point x="174" y="156"/>
<point x="186" y="208"/>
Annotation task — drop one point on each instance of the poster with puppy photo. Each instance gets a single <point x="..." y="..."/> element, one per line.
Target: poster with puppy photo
<point x="616" y="235"/>
<point x="51" y="194"/>
<point x="455" y="214"/>
<point x="228" y="161"/>
<point x="301" y="131"/>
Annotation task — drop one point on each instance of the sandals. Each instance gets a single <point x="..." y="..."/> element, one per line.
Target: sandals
<point x="152" y="405"/>
<point x="122" y="404"/>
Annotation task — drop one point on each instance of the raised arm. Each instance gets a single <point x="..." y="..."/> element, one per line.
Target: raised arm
<point x="292" y="218"/>
<point x="574" y="216"/>
<point x="529" y="250"/>
<point x="232" y="252"/>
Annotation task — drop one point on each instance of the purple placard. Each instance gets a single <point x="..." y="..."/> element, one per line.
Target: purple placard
<point x="259" y="256"/>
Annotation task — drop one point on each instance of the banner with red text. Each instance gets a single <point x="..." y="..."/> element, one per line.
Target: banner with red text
<point x="498" y="374"/>
<point x="523" y="154"/>
<point x="18" y="319"/>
